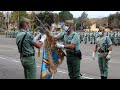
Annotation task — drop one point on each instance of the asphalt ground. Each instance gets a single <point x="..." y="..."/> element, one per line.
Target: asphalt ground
<point x="11" y="68"/>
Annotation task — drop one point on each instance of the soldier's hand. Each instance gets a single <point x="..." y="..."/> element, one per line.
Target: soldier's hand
<point x="43" y="38"/>
<point x="93" y="56"/>
<point x="109" y="55"/>
<point x="59" y="46"/>
<point x="37" y="37"/>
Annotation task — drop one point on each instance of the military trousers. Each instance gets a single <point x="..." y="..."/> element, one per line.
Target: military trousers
<point x="85" y="40"/>
<point x="73" y="64"/>
<point x="94" y="40"/>
<point x="91" y="40"/>
<point x="29" y="66"/>
<point x="116" y="41"/>
<point x="103" y="65"/>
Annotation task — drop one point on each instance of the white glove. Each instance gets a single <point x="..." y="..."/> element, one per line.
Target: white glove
<point x="59" y="46"/>
<point x="37" y="37"/>
<point x="93" y="56"/>
<point x="109" y="55"/>
<point x="43" y="38"/>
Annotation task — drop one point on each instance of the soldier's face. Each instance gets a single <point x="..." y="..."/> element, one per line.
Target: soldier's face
<point x="25" y="26"/>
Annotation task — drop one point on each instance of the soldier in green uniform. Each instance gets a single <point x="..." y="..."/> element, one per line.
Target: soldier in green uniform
<point x="26" y="43"/>
<point x="116" y="38"/>
<point x="112" y="37"/>
<point x="16" y="32"/>
<point x="71" y="43"/>
<point x="119" y="38"/>
<point x="6" y="33"/>
<point x="91" y="37"/>
<point x="104" y="48"/>
<point x="94" y="37"/>
<point x="85" y="37"/>
<point x="10" y="34"/>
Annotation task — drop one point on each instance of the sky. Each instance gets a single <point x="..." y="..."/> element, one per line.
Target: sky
<point x="92" y="14"/>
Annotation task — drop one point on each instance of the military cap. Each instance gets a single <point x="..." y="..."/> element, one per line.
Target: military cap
<point x="68" y="22"/>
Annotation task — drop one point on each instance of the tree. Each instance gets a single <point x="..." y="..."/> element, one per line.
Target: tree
<point x="114" y="20"/>
<point x="56" y="18"/>
<point x="15" y="16"/>
<point x="87" y="23"/>
<point x="65" y="15"/>
<point x="45" y="17"/>
<point x="102" y="22"/>
<point x="1" y="19"/>
<point x="81" y="19"/>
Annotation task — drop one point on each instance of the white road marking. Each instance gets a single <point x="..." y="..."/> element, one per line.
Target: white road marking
<point x="61" y="71"/>
<point x="8" y="50"/>
<point x="57" y="70"/>
<point x="16" y="61"/>
<point x="114" y="62"/>
<point x="2" y="58"/>
<point x="9" y="47"/>
<point x="87" y="77"/>
<point x="89" y="58"/>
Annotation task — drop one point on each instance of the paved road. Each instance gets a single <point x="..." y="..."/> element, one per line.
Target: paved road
<point x="11" y="68"/>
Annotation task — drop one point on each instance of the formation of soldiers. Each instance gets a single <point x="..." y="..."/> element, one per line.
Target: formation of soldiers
<point x="13" y="34"/>
<point x="85" y="37"/>
<point x="90" y="37"/>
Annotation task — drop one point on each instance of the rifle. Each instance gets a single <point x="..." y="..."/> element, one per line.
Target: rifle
<point x="50" y="44"/>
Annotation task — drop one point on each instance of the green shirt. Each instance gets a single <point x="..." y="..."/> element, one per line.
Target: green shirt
<point x="27" y="43"/>
<point x="73" y="38"/>
<point x="103" y="41"/>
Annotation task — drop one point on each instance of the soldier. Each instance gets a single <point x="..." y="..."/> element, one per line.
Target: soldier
<point x="80" y="37"/>
<point x="72" y="46"/>
<point x="6" y="33"/>
<point x="85" y="37"/>
<point x="116" y="38"/>
<point x="91" y="37"/>
<point x="94" y="37"/>
<point x="112" y="37"/>
<point x="16" y="32"/>
<point x="26" y="43"/>
<point x="104" y="47"/>
<point x="119" y="38"/>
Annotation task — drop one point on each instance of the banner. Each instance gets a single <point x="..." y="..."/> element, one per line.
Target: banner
<point x="51" y="59"/>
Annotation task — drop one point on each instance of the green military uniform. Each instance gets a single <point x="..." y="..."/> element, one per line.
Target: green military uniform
<point x="85" y="37"/>
<point x="91" y="37"/>
<point x="16" y="32"/>
<point x="27" y="55"/>
<point x="73" y="62"/>
<point x="112" y="37"/>
<point x="94" y="37"/>
<point x="102" y="61"/>
<point x="6" y="33"/>
<point x="116" y="38"/>
<point x="10" y="34"/>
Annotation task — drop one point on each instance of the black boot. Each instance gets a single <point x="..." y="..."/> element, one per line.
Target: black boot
<point x="105" y="77"/>
<point x="102" y="77"/>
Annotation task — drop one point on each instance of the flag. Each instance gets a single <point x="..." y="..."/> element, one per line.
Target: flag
<point x="52" y="58"/>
